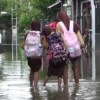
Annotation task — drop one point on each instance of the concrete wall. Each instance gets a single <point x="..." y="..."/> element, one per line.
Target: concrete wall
<point x="97" y="41"/>
<point x="97" y="55"/>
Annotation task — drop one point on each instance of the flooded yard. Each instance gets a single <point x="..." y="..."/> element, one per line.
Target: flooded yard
<point x="14" y="80"/>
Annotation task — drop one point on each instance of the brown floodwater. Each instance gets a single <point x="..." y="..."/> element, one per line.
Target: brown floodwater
<point x="14" y="80"/>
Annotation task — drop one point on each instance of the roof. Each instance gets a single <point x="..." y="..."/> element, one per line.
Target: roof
<point x="55" y="5"/>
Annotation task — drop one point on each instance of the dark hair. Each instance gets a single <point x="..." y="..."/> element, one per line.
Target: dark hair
<point x="46" y="31"/>
<point x="35" y="25"/>
<point x="62" y="16"/>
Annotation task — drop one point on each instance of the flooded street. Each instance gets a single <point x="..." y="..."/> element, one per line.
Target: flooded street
<point x="14" y="81"/>
<point x="18" y="18"/>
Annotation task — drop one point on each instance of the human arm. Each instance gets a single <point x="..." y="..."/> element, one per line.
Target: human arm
<point x="82" y="44"/>
<point x="59" y="29"/>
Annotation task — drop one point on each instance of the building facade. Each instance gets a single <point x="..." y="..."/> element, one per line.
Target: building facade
<point x="86" y="14"/>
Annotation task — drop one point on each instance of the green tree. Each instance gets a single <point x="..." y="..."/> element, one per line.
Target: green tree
<point x="28" y="10"/>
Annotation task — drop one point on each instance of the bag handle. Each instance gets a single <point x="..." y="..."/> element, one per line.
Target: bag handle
<point x="71" y="25"/>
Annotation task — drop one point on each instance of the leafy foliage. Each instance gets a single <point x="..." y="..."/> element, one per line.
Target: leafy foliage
<point x="3" y="4"/>
<point x="28" y="10"/>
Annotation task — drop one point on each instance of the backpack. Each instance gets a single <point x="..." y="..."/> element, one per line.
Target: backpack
<point x="33" y="46"/>
<point x="71" y="40"/>
<point x="58" y="53"/>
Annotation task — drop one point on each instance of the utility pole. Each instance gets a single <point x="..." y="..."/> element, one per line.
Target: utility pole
<point x="14" y="30"/>
<point x="93" y="41"/>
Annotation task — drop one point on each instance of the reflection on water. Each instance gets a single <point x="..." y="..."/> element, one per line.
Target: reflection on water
<point x="84" y="91"/>
<point x="19" y="90"/>
<point x="14" y="81"/>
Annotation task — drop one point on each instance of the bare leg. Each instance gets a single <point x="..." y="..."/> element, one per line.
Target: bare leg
<point x="75" y="71"/>
<point x="36" y="78"/>
<point x="65" y="75"/>
<point x="59" y="83"/>
<point x="31" y="77"/>
<point x="45" y="80"/>
<point x="36" y="91"/>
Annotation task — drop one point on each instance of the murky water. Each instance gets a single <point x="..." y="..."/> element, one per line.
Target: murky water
<point x="14" y="82"/>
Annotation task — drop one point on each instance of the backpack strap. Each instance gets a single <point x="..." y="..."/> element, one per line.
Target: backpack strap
<point x="63" y="26"/>
<point x="25" y="36"/>
<point x="71" y="25"/>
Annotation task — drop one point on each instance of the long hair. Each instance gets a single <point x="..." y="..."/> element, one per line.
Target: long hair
<point x="62" y="16"/>
<point x="35" y="25"/>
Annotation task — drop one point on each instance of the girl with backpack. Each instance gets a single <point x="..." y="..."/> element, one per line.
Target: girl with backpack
<point x="63" y="17"/>
<point x="56" y="66"/>
<point x="29" y="45"/>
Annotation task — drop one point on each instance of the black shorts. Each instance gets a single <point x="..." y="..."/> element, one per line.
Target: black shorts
<point x="55" y="70"/>
<point x="34" y="64"/>
<point x="74" y="59"/>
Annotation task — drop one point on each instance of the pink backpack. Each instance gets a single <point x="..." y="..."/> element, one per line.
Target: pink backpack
<point x="33" y="46"/>
<point x="71" y="40"/>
